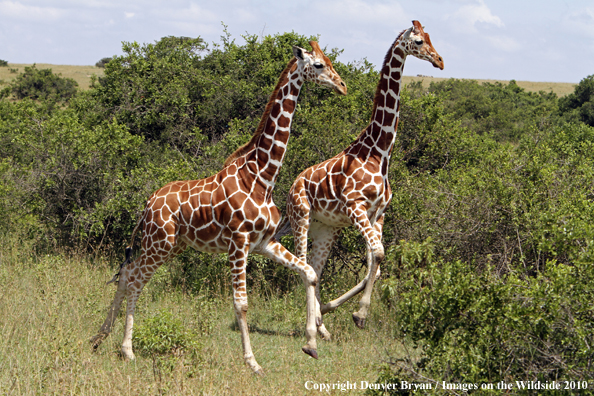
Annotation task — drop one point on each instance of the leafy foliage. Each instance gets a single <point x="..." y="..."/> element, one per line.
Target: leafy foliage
<point x="478" y="327"/>
<point x="43" y="85"/>
<point x="579" y="105"/>
<point x="504" y="111"/>
<point x="103" y="61"/>
<point x="163" y="334"/>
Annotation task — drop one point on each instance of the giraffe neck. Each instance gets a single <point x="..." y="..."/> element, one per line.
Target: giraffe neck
<point x="265" y="160"/>
<point x="377" y="140"/>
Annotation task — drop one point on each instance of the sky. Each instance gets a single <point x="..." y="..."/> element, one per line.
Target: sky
<point x="544" y="40"/>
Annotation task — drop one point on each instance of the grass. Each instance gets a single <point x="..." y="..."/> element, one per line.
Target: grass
<point x="559" y="88"/>
<point x="82" y="75"/>
<point x="50" y="306"/>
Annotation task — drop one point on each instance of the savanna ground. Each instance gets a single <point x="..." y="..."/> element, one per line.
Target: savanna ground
<point x="82" y="75"/>
<point x="51" y="305"/>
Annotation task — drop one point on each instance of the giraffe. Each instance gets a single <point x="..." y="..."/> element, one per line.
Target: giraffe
<point x="352" y="188"/>
<point x="230" y="212"/>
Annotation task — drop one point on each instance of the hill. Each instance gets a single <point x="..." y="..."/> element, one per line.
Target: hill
<point x="561" y="89"/>
<point x="82" y="75"/>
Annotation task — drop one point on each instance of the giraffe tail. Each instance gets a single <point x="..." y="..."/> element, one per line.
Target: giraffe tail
<point x="128" y="253"/>
<point x="283" y="230"/>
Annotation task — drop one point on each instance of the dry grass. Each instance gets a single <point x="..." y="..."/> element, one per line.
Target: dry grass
<point x="82" y="75"/>
<point x="561" y="89"/>
<point x="50" y="307"/>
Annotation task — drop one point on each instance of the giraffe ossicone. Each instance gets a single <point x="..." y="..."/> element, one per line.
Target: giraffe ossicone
<point x="352" y="188"/>
<point x="230" y="212"/>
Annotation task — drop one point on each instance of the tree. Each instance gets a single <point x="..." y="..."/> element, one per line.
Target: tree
<point x="579" y="105"/>
<point x="103" y="61"/>
<point x="43" y="85"/>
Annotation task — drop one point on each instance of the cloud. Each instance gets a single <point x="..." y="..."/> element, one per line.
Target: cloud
<point x="18" y="10"/>
<point x="467" y="16"/>
<point x="129" y="14"/>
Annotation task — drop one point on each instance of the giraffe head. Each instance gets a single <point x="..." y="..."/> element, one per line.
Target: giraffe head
<point x="318" y="68"/>
<point x="417" y="43"/>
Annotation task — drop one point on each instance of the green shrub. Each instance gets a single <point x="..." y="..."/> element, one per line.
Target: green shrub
<point x="3" y="63"/>
<point x="579" y="105"/>
<point x="43" y="85"/>
<point x="503" y="111"/>
<point x="164" y="335"/>
<point x="474" y="326"/>
<point x="103" y="61"/>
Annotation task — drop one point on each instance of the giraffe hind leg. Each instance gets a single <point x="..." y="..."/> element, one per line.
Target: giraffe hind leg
<point x="375" y="255"/>
<point x="105" y="329"/>
<point x="323" y="237"/>
<point x="112" y="314"/>
<point x="136" y="276"/>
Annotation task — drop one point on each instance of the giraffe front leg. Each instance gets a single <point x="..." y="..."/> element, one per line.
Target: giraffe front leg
<point x="374" y="245"/>
<point x="238" y="252"/>
<point x="277" y="252"/>
<point x="300" y="223"/>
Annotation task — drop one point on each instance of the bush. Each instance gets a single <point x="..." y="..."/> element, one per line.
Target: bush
<point x="3" y="63"/>
<point x="163" y="335"/>
<point x="478" y="327"/>
<point x="103" y="61"/>
<point x="503" y="111"/>
<point x="43" y="85"/>
<point x="67" y="174"/>
<point x="579" y="105"/>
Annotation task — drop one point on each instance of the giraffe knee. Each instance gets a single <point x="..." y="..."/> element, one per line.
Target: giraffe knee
<point x="240" y="305"/>
<point x="379" y="254"/>
<point x="310" y="277"/>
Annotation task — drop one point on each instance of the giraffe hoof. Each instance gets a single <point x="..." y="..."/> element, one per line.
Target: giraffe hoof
<point x="327" y="308"/>
<point x="259" y="371"/>
<point x="127" y="354"/>
<point x="359" y="322"/>
<point x="97" y="340"/>
<point x="325" y="335"/>
<point x="310" y="351"/>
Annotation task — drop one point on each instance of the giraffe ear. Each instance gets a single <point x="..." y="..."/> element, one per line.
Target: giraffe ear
<point x="406" y="35"/>
<point x="299" y="52"/>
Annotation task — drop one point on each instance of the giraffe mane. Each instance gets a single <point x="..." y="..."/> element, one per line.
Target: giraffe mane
<point x="244" y="149"/>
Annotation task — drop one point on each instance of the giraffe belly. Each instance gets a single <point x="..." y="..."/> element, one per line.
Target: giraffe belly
<point x="333" y="219"/>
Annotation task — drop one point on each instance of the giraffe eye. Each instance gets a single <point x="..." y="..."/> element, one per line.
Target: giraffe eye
<point x="418" y="42"/>
<point x="318" y="66"/>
